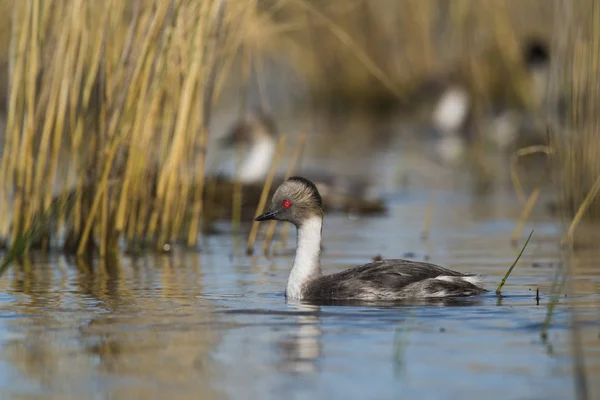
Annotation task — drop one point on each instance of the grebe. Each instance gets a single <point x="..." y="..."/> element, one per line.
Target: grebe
<point x="298" y="201"/>
<point x="258" y="131"/>
<point x="453" y="113"/>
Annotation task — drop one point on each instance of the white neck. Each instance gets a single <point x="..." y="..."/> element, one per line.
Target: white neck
<point x="306" y="264"/>
<point x="256" y="165"/>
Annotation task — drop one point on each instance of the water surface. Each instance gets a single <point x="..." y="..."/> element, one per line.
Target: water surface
<point x="213" y="324"/>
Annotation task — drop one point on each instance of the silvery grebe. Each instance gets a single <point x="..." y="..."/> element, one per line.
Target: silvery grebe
<point x="298" y="201"/>
<point x="453" y="111"/>
<point x="258" y="131"/>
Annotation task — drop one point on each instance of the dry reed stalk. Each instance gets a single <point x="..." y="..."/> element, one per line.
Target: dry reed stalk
<point x="143" y="191"/>
<point x="61" y="111"/>
<point x="102" y="187"/>
<point x="525" y="213"/>
<point x="170" y="181"/>
<point x="16" y="105"/>
<point x="100" y="88"/>
<point x="186" y="99"/>
<point x="199" y="204"/>
<point x="412" y="37"/>
<point x="514" y="175"/>
<point x="76" y="85"/>
<point x="236" y="203"/>
<point x="30" y="106"/>
<point x="85" y="87"/>
<point x="78" y="208"/>
<point x="104" y="225"/>
<point x="169" y="188"/>
<point x="113" y="137"/>
<point x="64" y="201"/>
<point x="211" y="93"/>
<point x="574" y="73"/>
<point x="226" y="61"/>
<point x="420" y="54"/>
<point x="263" y="196"/>
<point x="181" y="211"/>
<point x="168" y="114"/>
<point x="76" y="124"/>
<point x="531" y="201"/>
<point x="135" y="138"/>
<point x="591" y="195"/>
<point x="428" y="218"/>
<point x="291" y="168"/>
<point x="177" y="150"/>
<point x="131" y="77"/>
<point x="262" y="93"/>
<point x="131" y="224"/>
<point x="346" y="40"/>
<point x="5" y="174"/>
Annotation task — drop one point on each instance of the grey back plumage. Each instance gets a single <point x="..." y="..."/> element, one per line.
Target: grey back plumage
<point x="392" y="280"/>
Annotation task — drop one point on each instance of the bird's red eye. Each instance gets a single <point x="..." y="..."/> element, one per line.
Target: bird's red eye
<point x="287" y="204"/>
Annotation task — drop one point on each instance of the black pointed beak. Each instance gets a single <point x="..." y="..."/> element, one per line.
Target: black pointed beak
<point x="267" y="216"/>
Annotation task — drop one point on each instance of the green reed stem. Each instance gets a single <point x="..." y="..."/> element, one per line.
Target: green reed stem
<point x="16" y="250"/>
<point x="513" y="264"/>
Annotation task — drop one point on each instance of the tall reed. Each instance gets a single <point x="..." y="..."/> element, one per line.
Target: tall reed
<point x="572" y="108"/>
<point x="109" y="102"/>
<point x="574" y="98"/>
<point x="369" y="51"/>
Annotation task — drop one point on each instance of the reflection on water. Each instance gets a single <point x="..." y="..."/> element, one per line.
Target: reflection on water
<point x="301" y="349"/>
<point x="69" y="328"/>
<point x="212" y="325"/>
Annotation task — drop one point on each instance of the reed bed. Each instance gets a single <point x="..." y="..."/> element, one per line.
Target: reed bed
<point x="573" y="108"/>
<point x="109" y="103"/>
<point x="109" y="108"/>
<point x="375" y="52"/>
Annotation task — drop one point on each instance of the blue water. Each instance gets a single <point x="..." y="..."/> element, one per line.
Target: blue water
<point x="215" y="324"/>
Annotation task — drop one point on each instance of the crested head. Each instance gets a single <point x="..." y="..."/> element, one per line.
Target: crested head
<point x="304" y="188"/>
<point x="295" y="201"/>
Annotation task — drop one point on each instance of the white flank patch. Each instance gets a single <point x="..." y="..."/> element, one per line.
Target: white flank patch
<point x="441" y="293"/>
<point x="471" y="279"/>
<point x="475" y="280"/>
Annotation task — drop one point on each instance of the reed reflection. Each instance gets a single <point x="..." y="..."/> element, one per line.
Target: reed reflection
<point x="131" y="325"/>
